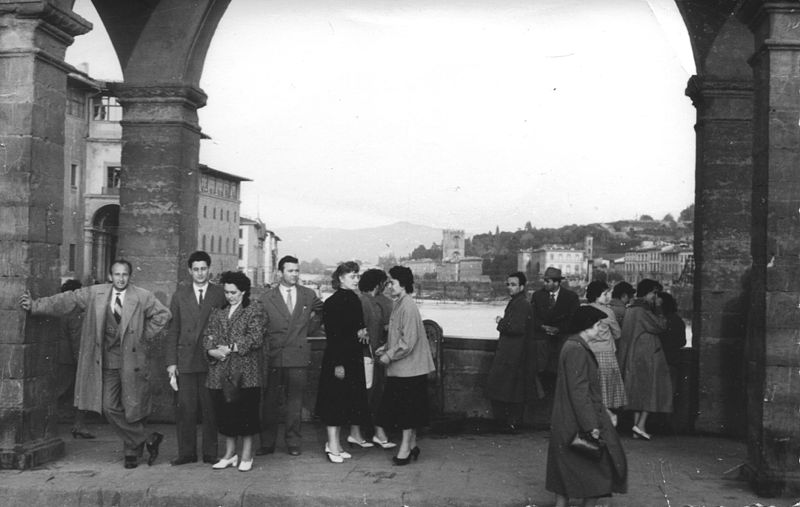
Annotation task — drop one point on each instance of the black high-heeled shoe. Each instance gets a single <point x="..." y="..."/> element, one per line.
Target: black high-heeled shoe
<point x="81" y="433"/>
<point x="401" y="461"/>
<point x="414" y="453"/>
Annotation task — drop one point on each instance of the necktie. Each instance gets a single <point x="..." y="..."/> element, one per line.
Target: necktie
<point x="200" y="297"/>
<point x="289" y="302"/>
<point x="552" y="299"/>
<point x="117" y="309"/>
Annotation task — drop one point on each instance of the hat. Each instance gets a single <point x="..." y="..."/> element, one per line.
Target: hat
<point x="552" y="273"/>
<point x="584" y="318"/>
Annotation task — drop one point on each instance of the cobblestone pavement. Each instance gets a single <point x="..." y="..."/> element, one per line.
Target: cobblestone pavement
<point x="453" y="470"/>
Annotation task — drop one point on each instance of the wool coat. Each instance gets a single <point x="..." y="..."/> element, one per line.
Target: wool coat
<point x="407" y="347"/>
<point x="578" y="406"/>
<point x="509" y="380"/>
<point x="343" y="401"/>
<point x="183" y="342"/>
<point x="243" y="329"/>
<point x="547" y="347"/>
<point x="143" y="317"/>
<point x="642" y="361"/>
<point x="287" y="334"/>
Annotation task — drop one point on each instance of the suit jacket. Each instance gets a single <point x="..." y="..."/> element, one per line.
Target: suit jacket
<point x="184" y="344"/>
<point x="548" y="347"/>
<point x="287" y="335"/>
<point x="143" y="317"/>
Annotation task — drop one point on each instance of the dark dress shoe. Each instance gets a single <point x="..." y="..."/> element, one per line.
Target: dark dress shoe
<point x="401" y="461"/>
<point x="261" y="451"/>
<point x="294" y="450"/>
<point x="414" y="453"/>
<point x="152" y="446"/>
<point x="131" y="461"/>
<point x="182" y="460"/>
<point x="207" y="458"/>
<point x="81" y="433"/>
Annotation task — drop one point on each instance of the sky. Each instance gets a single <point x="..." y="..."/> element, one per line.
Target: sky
<point x="454" y="114"/>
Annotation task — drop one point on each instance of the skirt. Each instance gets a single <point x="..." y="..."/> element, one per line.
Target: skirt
<point x="405" y="403"/>
<point x="239" y="419"/>
<point x="611" y="380"/>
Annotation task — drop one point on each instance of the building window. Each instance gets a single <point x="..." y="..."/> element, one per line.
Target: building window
<point x="113" y="174"/>
<point x="205" y="211"/>
<point x="204" y="184"/>
<point x="203" y="247"/>
<point x="215" y="214"/>
<point x="75" y="103"/>
<point x="71" y="266"/>
<point x="227" y="245"/>
<point x="73" y="175"/>
<point x="240" y="233"/>
<point x="106" y="109"/>
<point x="228" y="216"/>
<point x="240" y="253"/>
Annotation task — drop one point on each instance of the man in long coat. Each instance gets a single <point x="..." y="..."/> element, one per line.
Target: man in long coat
<point x="113" y="372"/>
<point x="292" y="312"/>
<point x="187" y="364"/>
<point x="553" y="306"/>
<point x="509" y="383"/>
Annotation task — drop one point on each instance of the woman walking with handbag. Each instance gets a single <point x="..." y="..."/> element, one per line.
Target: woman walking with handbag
<point x="342" y="393"/>
<point x="580" y="423"/>
<point x="231" y="340"/>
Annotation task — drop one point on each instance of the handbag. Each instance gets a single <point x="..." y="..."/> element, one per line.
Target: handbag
<point x="369" y="367"/>
<point x="232" y="385"/>
<point x="587" y="446"/>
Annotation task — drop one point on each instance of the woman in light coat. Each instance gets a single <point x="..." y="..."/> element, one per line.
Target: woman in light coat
<point x="408" y="360"/>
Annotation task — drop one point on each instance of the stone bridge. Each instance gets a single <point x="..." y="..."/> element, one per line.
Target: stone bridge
<point x="747" y="201"/>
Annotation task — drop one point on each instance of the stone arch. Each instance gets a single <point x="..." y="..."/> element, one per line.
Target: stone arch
<point x="104" y="240"/>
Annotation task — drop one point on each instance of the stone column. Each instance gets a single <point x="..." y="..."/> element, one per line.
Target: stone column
<point x="159" y="191"/>
<point x="34" y="36"/>
<point x="773" y="370"/>
<point x="723" y="183"/>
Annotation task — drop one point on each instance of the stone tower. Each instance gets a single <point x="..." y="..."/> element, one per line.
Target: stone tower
<point x="452" y="245"/>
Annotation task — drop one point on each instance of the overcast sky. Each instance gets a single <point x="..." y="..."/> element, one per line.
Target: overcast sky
<point x="457" y="113"/>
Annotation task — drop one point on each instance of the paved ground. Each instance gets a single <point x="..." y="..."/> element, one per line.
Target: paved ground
<point x="461" y="470"/>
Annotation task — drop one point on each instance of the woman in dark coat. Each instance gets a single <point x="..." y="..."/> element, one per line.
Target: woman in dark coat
<point x="232" y="340"/>
<point x="342" y="393"/>
<point x="578" y="407"/>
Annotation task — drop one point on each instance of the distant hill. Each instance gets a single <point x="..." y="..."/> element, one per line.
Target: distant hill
<point x="334" y="245"/>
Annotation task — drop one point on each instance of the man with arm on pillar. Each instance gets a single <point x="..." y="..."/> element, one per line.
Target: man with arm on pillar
<point x="187" y="363"/>
<point x="553" y="306"/>
<point x="292" y="312"/>
<point x="113" y="367"/>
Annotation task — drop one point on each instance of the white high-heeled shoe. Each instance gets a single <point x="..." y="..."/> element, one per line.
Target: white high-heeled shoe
<point x="245" y="466"/>
<point x="384" y="443"/>
<point x="225" y="463"/>
<point x="361" y="443"/>
<point x="333" y="457"/>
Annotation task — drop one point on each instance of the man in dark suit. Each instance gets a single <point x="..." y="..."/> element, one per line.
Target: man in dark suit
<point x="292" y="312"/>
<point x="553" y="306"/>
<point x="187" y="363"/>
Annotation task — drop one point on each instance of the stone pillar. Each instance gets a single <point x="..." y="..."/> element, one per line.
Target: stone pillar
<point x="773" y="355"/>
<point x="159" y="191"/>
<point x="34" y="36"/>
<point x="723" y="183"/>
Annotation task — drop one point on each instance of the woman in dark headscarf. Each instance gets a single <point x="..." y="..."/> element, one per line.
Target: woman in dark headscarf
<point x="578" y="408"/>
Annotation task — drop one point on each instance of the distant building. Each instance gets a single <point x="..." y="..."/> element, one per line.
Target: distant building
<point x="571" y="261"/>
<point x="258" y="252"/>
<point x="454" y="266"/>
<point x="663" y="262"/>
<point x="453" y="244"/>
<point x="218" y="217"/>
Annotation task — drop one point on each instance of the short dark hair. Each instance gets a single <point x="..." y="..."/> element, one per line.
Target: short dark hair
<point x="241" y="282"/>
<point x="668" y="303"/>
<point x="403" y="275"/>
<point x="370" y="279"/>
<point x="70" y="285"/>
<point x="595" y="289"/>
<point x="341" y="270"/>
<point x="584" y="318"/>
<point x="646" y="286"/>
<point x="199" y="256"/>
<point x="121" y="261"/>
<point x="519" y="275"/>
<point x="285" y="259"/>
<point x="622" y="288"/>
